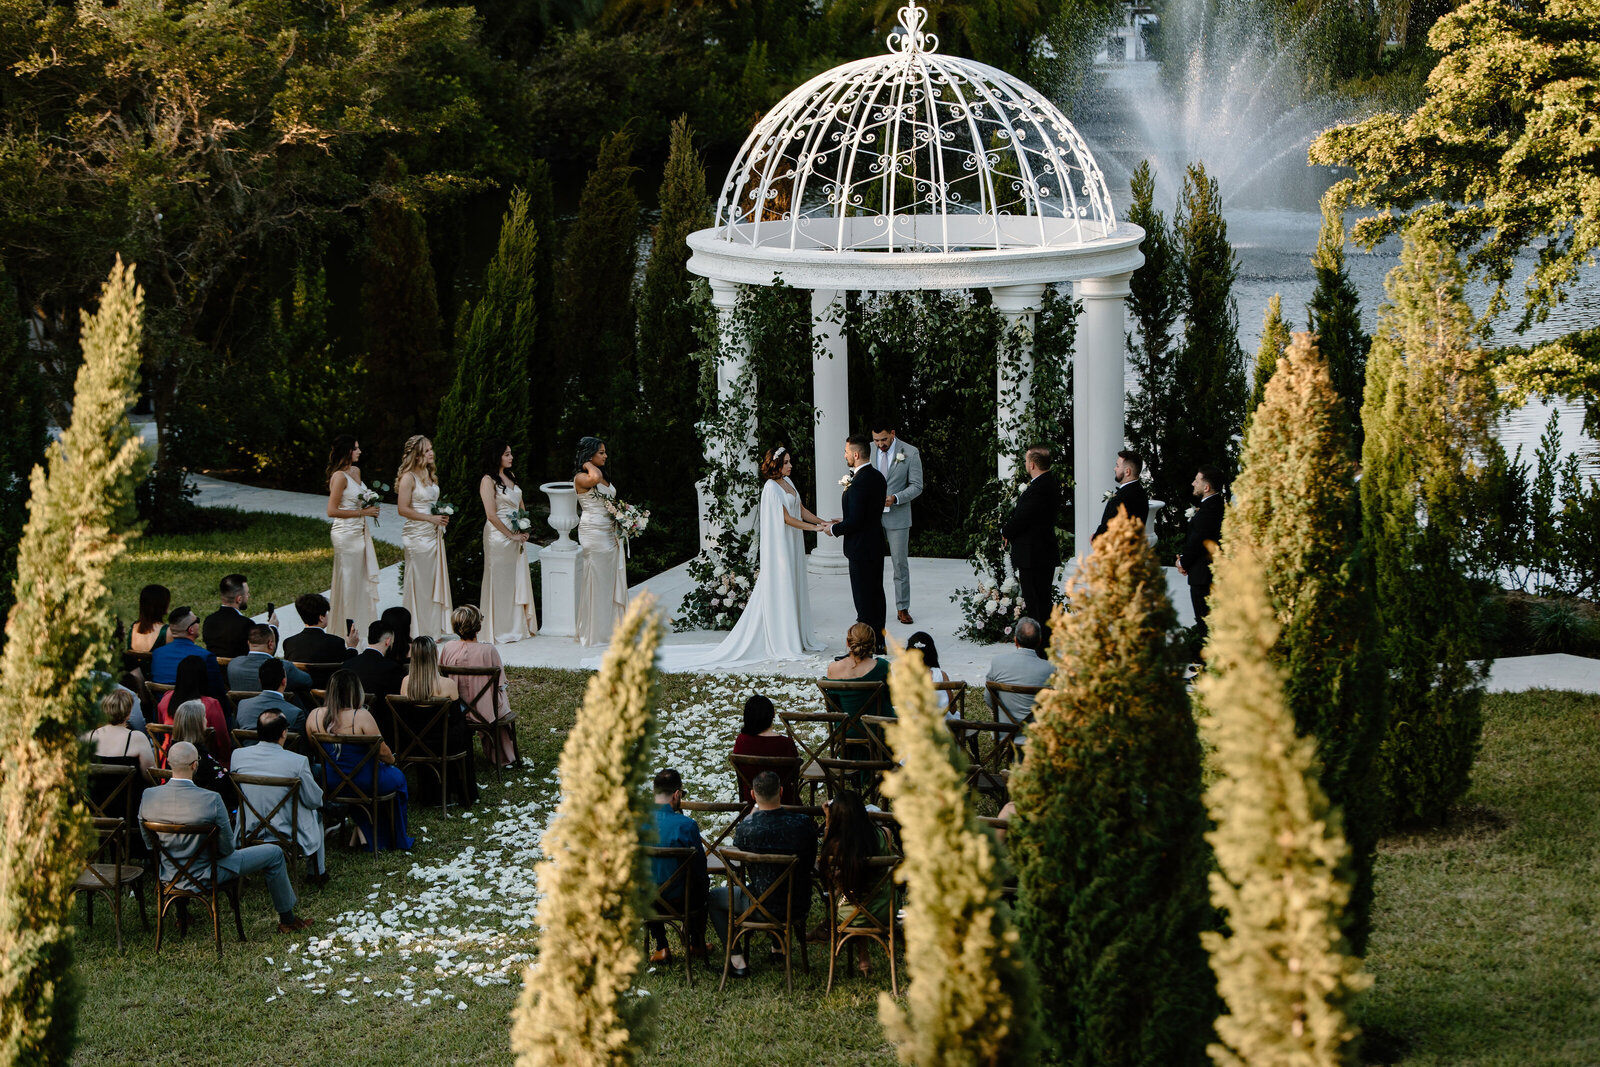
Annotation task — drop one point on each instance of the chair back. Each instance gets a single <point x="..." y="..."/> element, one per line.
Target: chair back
<point x="746" y="767"/>
<point x="241" y="738"/>
<point x="875" y="701"/>
<point x="194" y="875"/>
<point x="359" y="785"/>
<point x="238" y="696"/>
<point x="320" y="672"/>
<point x="661" y="907"/>
<point x="161" y="735"/>
<point x="996" y="692"/>
<point x="486" y="701"/>
<point x="703" y="807"/>
<point x="865" y="776"/>
<point x="815" y="733"/>
<point x="763" y="911"/>
<point x="103" y="870"/>
<point x="956" y="692"/>
<point x="991" y="751"/>
<point x="419" y="729"/>
<point x="109" y="792"/>
<point x="850" y="910"/>
<point x="254" y="822"/>
<point x="159" y="688"/>
<point x="223" y="661"/>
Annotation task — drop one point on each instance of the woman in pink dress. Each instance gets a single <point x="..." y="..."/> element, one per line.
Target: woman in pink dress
<point x="500" y="747"/>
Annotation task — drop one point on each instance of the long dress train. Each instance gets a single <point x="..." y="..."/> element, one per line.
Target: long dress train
<point x="507" y="595"/>
<point x="355" y="567"/>
<point x="603" y="584"/>
<point x="427" y="588"/>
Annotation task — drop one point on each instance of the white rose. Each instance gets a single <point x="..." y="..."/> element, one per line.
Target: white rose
<point x="718" y="571"/>
<point x="1005" y="602"/>
<point x="994" y="608"/>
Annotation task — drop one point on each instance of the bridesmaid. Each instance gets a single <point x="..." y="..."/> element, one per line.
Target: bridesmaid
<point x="355" y="561"/>
<point x="507" y="587"/>
<point x="427" y="588"/>
<point x="603" y="587"/>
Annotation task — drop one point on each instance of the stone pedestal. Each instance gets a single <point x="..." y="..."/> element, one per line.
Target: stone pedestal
<point x="558" y="597"/>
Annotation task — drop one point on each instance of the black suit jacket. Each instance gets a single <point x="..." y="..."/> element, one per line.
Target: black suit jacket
<point x="1132" y="497"/>
<point x="1031" y="529"/>
<point x="226" y="632"/>
<point x="862" y="524"/>
<point x="316" y="646"/>
<point x="380" y="676"/>
<point x="1205" y="526"/>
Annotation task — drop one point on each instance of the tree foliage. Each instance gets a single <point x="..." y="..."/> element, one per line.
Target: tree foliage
<point x="1429" y="417"/>
<point x="1335" y="314"/>
<point x="1282" y="966"/>
<point x="968" y="1002"/>
<point x="1297" y="512"/>
<point x="1108" y="838"/>
<point x="58" y="650"/>
<point x="1155" y="406"/>
<point x="1274" y="340"/>
<point x="575" y="1008"/>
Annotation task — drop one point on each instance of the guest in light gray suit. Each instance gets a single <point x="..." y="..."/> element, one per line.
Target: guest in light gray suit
<point x="901" y="466"/>
<point x="270" y="759"/>
<point x="263" y="646"/>
<point x="181" y="801"/>
<point x="271" y="698"/>
<point x="1021" y="665"/>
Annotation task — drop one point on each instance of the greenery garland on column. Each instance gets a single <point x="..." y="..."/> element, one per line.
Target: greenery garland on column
<point x="576" y="1009"/>
<point x="1108" y="839"/>
<point x="57" y="655"/>
<point x="968" y="1001"/>
<point x="1282" y="966"/>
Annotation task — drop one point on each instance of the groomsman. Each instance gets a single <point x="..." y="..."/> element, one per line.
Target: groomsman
<point x="1205" y="530"/>
<point x="1130" y="495"/>
<point x="901" y="467"/>
<point x="1030" y="533"/>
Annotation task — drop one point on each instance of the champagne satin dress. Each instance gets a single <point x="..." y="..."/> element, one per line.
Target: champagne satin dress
<point x="355" y="567"/>
<point x="603" y="586"/>
<point x="507" y="587"/>
<point x="427" y="588"/>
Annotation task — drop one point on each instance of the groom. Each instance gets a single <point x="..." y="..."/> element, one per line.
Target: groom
<point x="862" y="530"/>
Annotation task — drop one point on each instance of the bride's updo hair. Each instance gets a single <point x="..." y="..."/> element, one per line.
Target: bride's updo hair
<point x="772" y="462"/>
<point x="586" y="450"/>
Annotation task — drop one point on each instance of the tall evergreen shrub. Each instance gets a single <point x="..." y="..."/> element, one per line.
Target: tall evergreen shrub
<point x="1274" y="340"/>
<point x="1156" y="404"/>
<point x="968" y="1002"/>
<point x="1429" y="415"/>
<point x="1108" y="839"/>
<point x="58" y="649"/>
<point x="1297" y="510"/>
<point x="575" y="1009"/>
<point x="23" y="432"/>
<point x="1282" y="967"/>
<point x="489" y="396"/>
<point x="1335" y="313"/>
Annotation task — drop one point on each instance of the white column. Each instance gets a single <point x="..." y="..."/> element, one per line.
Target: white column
<point x="830" y="393"/>
<point x="724" y="298"/>
<point x="1098" y="391"/>
<point x="1017" y="303"/>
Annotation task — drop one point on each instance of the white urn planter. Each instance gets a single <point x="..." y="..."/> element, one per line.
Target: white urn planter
<point x="559" y="562"/>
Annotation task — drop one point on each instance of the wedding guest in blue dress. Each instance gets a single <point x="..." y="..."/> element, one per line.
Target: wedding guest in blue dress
<point x="345" y="714"/>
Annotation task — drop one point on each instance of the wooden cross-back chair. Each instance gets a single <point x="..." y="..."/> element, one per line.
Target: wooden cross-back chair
<point x="486" y="703"/>
<point x="957" y="694"/>
<point x="994" y="691"/>
<point x="161" y="735"/>
<point x="108" y="874"/>
<point x="293" y="740"/>
<point x="713" y="843"/>
<point x="676" y="914"/>
<point x="193" y="878"/>
<point x="358" y="787"/>
<point x="850" y="915"/>
<point x="421" y="738"/>
<point x="746" y="767"/>
<point x="761" y="911"/>
<point x="991" y="752"/>
<point x="822" y="739"/>
<point x="319" y="672"/>
<point x="253" y="825"/>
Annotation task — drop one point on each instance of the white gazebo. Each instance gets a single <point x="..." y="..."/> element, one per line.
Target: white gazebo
<point x="914" y="170"/>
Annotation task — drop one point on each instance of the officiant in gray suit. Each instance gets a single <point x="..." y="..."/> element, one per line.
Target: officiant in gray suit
<point x="901" y="466"/>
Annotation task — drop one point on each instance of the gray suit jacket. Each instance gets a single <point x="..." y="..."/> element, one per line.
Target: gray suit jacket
<point x="244" y="672"/>
<point x="250" y="710"/>
<point x="1018" y="666"/>
<point x="905" y="482"/>
<point x="274" y="761"/>
<point x="180" y="800"/>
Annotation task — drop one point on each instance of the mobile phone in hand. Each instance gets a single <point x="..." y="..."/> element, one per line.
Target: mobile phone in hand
<point x="349" y="626"/>
<point x="271" y="607"/>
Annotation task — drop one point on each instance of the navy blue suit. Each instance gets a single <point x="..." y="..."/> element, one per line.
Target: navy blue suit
<point x="862" y="532"/>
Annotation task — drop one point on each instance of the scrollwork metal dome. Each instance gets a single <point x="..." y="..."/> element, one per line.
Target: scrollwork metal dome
<point x="914" y="151"/>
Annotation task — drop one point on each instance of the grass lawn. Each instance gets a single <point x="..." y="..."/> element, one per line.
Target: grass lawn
<point x="1483" y="948"/>
<point x="282" y="555"/>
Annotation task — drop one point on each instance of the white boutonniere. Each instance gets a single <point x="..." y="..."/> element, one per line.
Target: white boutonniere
<point x="1107" y="495"/>
<point x="1189" y="515"/>
<point x="846" y="480"/>
<point x="899" y="457"/>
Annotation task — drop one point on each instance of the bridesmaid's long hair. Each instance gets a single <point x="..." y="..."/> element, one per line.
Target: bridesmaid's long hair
<point x="339" y="456"/>
<point x="492" y="451"/>
<point x="587" y="447"/>
<point x="411" y="461"/>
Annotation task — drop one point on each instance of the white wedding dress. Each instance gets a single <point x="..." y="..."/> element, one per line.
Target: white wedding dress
<point x="776" y="624"/>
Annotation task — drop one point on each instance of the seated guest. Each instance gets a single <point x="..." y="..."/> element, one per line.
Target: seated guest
<point x="191" y="688"/>
<point x="183" y="626"/>
<point x="399" y="620"/>
<point x="315" y="644"/>
<point x="758" y="737"/>
<point x="150" y="631"/>
<point x="271" y="760"/>
<point x="424" y="682"/>
<point x="227" y="629"/>
<point x="1020" y="665"/>
<point x="849" y="838"/>
<point x="189" y="724"/>
<point x="346" y="715"/>
<point x="922" y="641"/>
<point x="768" y="829"/>
<point x="116" y="742"/>
<point x="380" y="675"/>
<point x="263" y="642"/>
<point x="860" y="664"/>
<point x="674" y="829"/>
<point x="179" y="801"/>
<point x="467" y="622"/>
<point x="273" y="683"/>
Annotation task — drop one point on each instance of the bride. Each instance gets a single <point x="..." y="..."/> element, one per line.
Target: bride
<point x="776" y="624"/>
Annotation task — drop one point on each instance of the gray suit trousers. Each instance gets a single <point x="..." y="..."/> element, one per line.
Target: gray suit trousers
<point x="899" y="552"/>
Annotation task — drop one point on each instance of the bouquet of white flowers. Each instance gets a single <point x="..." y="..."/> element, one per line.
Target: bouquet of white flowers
<point x="441" y="507"/>
<point x="371" y="496"/>
<point x="631" y="521"/>
<point x="518" y="521"/>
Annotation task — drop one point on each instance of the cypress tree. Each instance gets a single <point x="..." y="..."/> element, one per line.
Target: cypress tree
<point x="23" y="432"/>
<point x="1282" y="967"/>
<point x="1335" y="313"/>
<point x="968" y="1001"/>
<point x="1429" y="416"/>
<point x="57" y="653"/>
<point x="574" y="1009"/>
<point x="405" y="355"/>
<point x="489" y="395"/>
<point x="1210" y="364"/>
<point x="1297" y="510"/>
<point x="1156" y="405"/>
<point x="1108" y="838"/>
<point x="1274" y="339"/>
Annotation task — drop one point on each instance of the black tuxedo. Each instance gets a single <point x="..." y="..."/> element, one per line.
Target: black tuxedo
<point x="380" y="677"/>
<point x="316" y="646"/>
<point x="1196" y="558"/>
<point x="861" y="529"/>
<point x="226" y="632"/>
<point x="1133" y="498"/>
<point x="1035" y="552"/>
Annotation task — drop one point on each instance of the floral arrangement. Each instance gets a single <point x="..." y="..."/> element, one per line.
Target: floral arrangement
<point x="990" y="611"/>
<point x="441" y="507"/>
<point x="631" y="521"/>
<point x="371" y="496"/>
<point x="723" y="575"/>
<point x="519" y="521"/>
